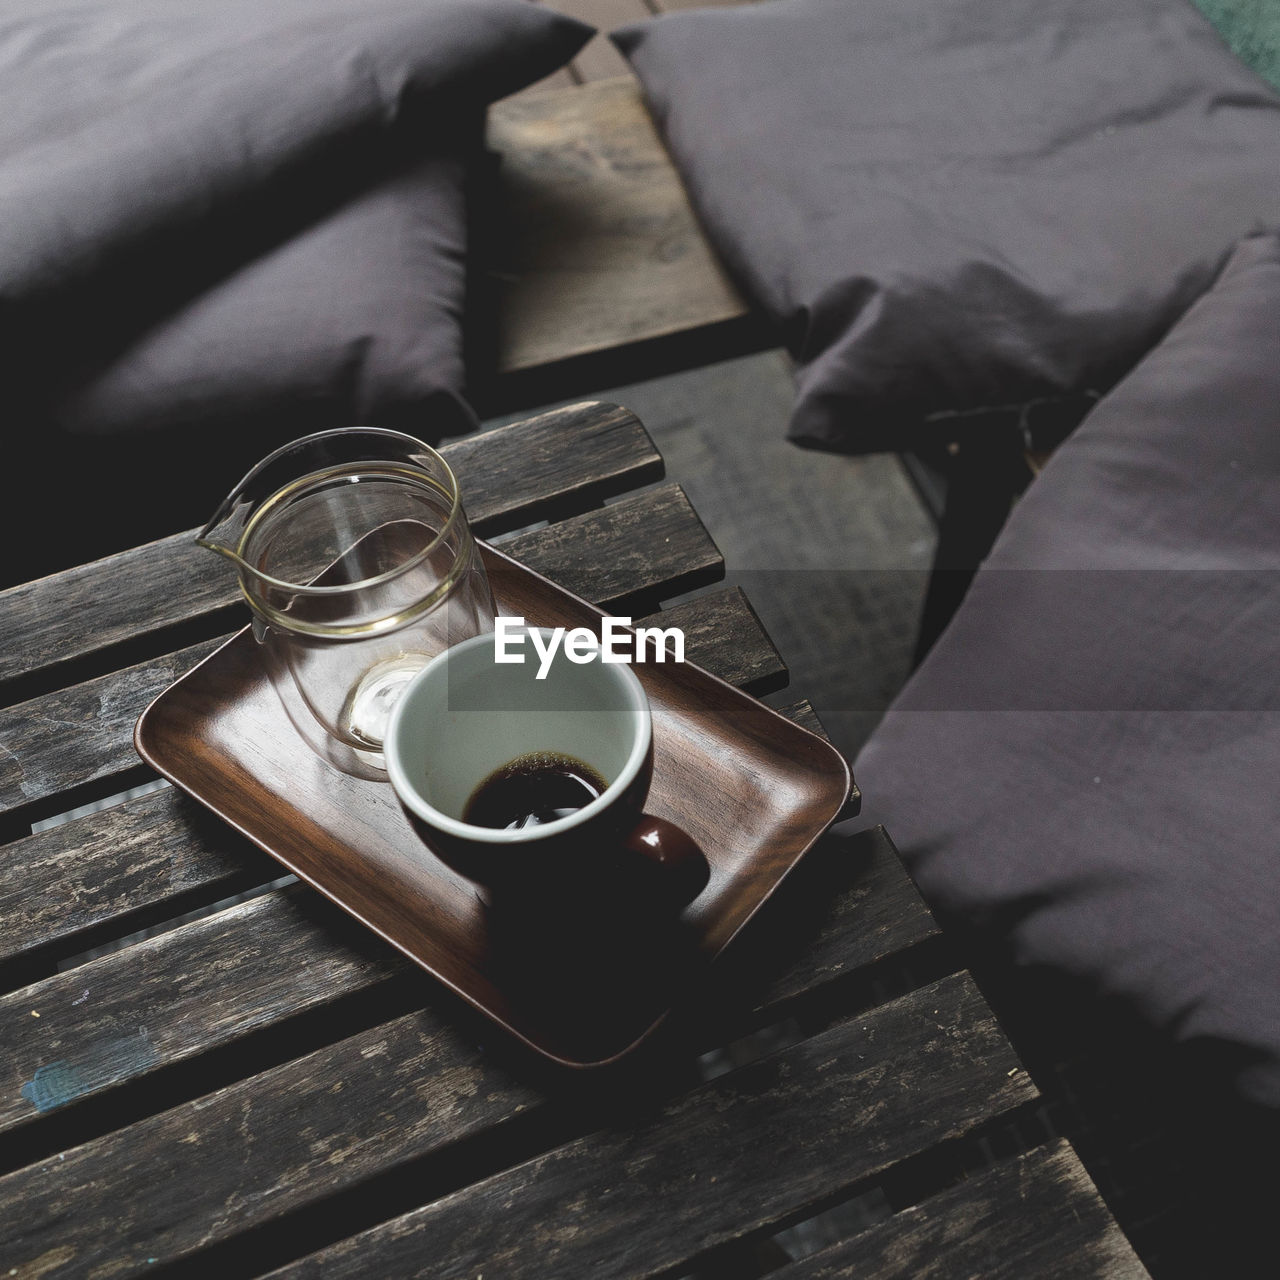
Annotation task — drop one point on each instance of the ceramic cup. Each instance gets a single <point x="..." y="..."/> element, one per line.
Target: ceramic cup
<point x="467" y="716"/>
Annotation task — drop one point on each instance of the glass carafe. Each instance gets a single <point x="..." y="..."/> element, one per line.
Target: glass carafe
<point x="355" y="555"/>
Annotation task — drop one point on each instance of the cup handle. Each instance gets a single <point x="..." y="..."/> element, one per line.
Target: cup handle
<point x="674" y="853"/>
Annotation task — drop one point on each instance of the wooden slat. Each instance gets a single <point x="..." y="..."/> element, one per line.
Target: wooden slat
<point x="1037" y="1215"/>
<point x="723" y="635"/>
<point x="556" y="464"/>
<point x="599" y="247"/>
<point x="208" y="984"/>
<point x="646" y="546"/>
<point x="59" y="619"/>
<point x="263" y="1147"/>
<point x="171" y="997"/>
<point x="102" y="874"/>
<point x="741" y="1154"/>
<point x="154" y="851"/>
<point x="291" y="1137"/>
<point x="803" y="714"/>
<point x="84" y="733"/>
<point x="565" y="461"/>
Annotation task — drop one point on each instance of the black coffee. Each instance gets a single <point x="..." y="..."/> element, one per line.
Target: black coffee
<point x="535" y="789"/>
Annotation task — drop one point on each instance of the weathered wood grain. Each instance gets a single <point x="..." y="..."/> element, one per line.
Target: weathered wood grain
<point x="645" y="546"/>
<point x="723" y="635"/>
<point x="599" y="249"/>
<point x="558" y="463"/>
<point x="803" y="713"/>
<point x="641" y="547"/>
<point x="84" y="733"/>
<point x="208" y="984"/>
<point x="256" y="1150"/>
<point x="101" y="874"/>
<point x="509" y="476"/>
<point x="61" y="618"/>
<point x="740" y="1155"/>
<point x="1036" y="1215"/>
<point x="294" y="1136"/>
<point x="158" y="850"/>
<point x="168" y="998"/>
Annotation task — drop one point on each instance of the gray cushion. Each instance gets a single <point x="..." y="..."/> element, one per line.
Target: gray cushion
<point x="220" y="206"/>
<point x="952" y="206"/>
<point x="1087" y="762"/>
<point x="357" y="318"/>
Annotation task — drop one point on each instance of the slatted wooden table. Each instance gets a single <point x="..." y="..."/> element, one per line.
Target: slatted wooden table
<point x="195" y="1087"/>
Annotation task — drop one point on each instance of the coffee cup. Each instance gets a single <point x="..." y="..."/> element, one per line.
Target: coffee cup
<point x="529" y="778"/>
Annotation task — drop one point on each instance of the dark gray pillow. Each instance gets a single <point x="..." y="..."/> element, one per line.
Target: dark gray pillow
<point x="1087" y="762"/>
<point x="217" y="205"/>
<point x="952" y="206"/>
<point x="355" y="319"/>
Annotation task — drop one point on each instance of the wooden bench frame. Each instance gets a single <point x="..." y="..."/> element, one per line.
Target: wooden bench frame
<point x="597" y="270"/>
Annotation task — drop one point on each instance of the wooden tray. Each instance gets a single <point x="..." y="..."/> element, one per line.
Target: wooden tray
<point x="752" y="788"/>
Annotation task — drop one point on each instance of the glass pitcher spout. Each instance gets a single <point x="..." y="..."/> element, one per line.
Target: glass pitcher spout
<point x="298" y="514"/>
<point x="226" y="528"/>
<point x="225" y="532"/>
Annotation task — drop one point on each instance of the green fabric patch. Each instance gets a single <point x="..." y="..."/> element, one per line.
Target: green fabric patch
<point x="1252" y="29"/>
